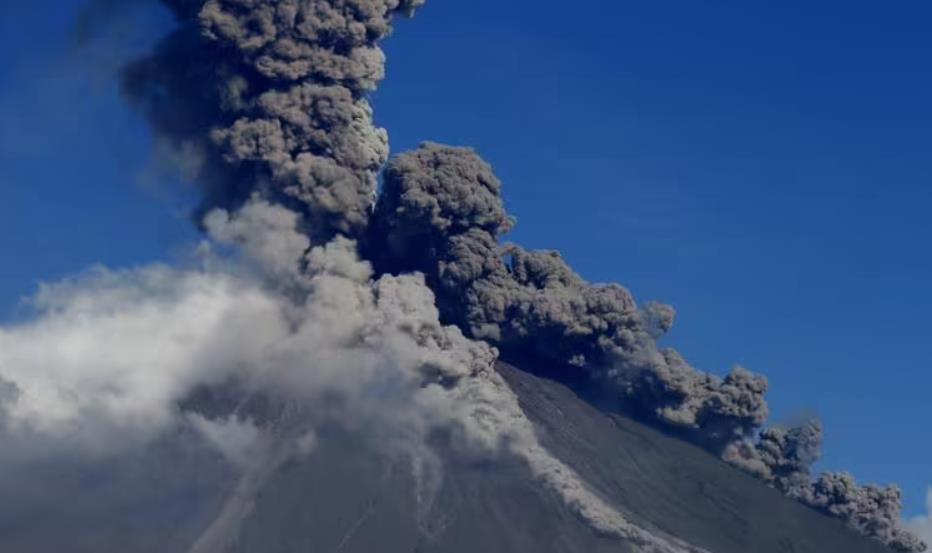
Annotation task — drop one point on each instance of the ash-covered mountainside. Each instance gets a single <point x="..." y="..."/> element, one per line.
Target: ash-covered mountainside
<point x="353" y="498"/>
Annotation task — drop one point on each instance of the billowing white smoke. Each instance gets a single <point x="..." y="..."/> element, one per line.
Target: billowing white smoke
<point x="110" y="353"/>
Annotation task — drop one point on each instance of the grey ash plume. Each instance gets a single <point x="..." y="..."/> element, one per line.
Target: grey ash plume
<point x="441" y="213"/>
<point x="872" y="510"/>
<point x="784" y="458"/>
<point x="268" y="98"/>
<point x="781" y="456"/>
<point x="270" y="95"/>
<point x="271" y="98"/>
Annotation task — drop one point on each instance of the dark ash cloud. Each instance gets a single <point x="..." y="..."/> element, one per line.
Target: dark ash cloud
<point x="784" y="458"/>
<point x="441" y="213"/>
<point x="272" y="96"/>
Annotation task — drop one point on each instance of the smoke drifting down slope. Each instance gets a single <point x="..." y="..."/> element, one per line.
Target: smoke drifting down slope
<point x="380" y="314"/>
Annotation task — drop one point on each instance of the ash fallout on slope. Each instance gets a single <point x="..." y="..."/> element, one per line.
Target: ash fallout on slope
<point x="267" y="100"/>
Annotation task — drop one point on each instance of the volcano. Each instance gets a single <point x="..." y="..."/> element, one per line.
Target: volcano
<point x="357" y="361"/>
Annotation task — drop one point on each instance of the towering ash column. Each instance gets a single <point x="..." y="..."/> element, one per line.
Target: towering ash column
<point x="269" y="96"/>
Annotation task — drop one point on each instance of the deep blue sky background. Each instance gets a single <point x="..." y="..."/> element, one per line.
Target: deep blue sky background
<point x="763" y="166"/>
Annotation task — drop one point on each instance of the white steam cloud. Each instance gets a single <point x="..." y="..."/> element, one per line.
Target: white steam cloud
<point x="111" y="353"/>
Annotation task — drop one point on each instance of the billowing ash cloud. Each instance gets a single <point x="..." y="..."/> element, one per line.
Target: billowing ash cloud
<point x="784" y="458"/>
<point x="723" y="409"/>
<point x="265" y="101"/>
<point x="455" y="385"/>
<point x="271" y="94"/>
<point x="441" y="212"/>
<point x="873" y="510"/>
<point x="781" y="456"/>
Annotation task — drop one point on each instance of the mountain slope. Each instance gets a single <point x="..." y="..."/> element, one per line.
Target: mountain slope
<point x="661" y="481"/>
<point x="347" y="497"/>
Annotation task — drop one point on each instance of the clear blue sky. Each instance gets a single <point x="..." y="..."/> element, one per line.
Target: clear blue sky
<point x="763" y="166"/>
